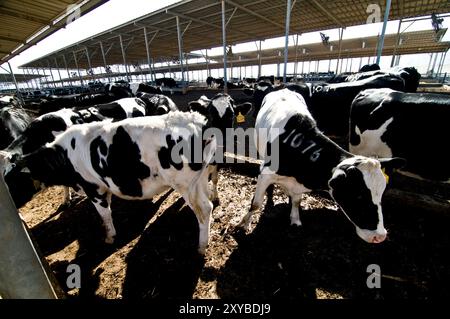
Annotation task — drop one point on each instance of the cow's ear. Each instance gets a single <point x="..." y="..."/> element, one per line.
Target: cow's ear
<point x="195" y="106"/>
<point x="243" y="108"/>
<point x="390" y="164"/>
<point x="249" y="91"/>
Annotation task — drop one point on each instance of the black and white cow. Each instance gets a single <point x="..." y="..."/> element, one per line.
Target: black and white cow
<point x="166" y="82"/>
<point x="306" y="160"/>
<point x="13" y="121"/>
<point x="329" y="103"/>
<point x="133" y="159"/>
<point x="47" y="127"/>
<point x="157" y="104"/>
<point x="415" y="126"/>
<point x="144" y="88"/>
<point x="409" y="74"/>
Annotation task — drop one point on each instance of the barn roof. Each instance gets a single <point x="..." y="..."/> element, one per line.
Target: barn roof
<point x="200" y="22"/>
<point x="26" y="22"/>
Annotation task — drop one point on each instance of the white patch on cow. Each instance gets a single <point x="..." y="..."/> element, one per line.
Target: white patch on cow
<point x="65" y="115"/>
<point x="276" y="110"/>
<point x="262" y="88"/>
<point x="221" y="104"/>
<point x="309" y="85"/>
<point x="128" y="104"/>
<point x="370" y="142"/>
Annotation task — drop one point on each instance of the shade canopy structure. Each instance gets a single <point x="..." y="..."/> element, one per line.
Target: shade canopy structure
<point x="8" y="78"/>
<point x="415" y="42"/>
<point x="200" y="22"/>
<point x="26" y="22"/>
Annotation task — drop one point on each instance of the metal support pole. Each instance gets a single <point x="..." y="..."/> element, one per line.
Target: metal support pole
<point x="443" y="61"/>
<point x="208" y="71"/>
<point x="286" y="36"/>
<point x="59" y="73"/>
<point x="89" y="63"/>
<point x="19" y="96"/>
<point x="397" y="39"/>
<point x="180" y="48"/>
<point x="224" y="44"/>
<point x="296" y="58"/>
<point x="105" y="65"/>
<point x="51" y="73"/>
<point x="341" y="33"/>
<point x="434" y="64"/>
<point x="124" y="57"/>
<point x="259" y="59"/>
<point x="67" y="70"/>
<point x="22" y="275"/>
<point x="383" y="31"/>
<point x="147" y="49"/>
<point x="78" y="69"/>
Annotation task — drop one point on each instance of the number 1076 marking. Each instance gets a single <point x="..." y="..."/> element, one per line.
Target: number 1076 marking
<point x="297" y="141"/>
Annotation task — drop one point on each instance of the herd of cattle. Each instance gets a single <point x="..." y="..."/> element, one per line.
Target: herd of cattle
<point x="121" y="143"/>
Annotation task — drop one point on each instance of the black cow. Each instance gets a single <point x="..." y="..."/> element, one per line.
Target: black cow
<point x="415" y="126"/>
<point x="369" y="67"/>
<point x="329" y="103"/>
<point x="112" y="93"/>
<point x="409" y="74"/>
<point x="166" y="82"/>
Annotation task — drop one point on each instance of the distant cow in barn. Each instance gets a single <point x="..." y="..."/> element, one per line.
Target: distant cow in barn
<point x="157" y="104"/>
<point x="415" y="126"/>
<point x="409" y="74"/>
<point x="166" y="82"/>
<point x="369" y="67"/>
<point x="112" y="93"/>
<point x="329" y="103"/>
<point x="133" y="159"/>
<point x="144" y="88"/>
<point x="302" y="159"/>
<point x="45" y="128"/>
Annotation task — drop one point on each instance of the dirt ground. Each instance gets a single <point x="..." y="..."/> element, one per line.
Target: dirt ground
<point x="155" y="256"/>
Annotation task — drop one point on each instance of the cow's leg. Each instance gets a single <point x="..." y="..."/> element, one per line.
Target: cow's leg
<point x="103" y="206"/>
<point x="202" y="206"/>
<point x="67" y="196"/>
<point x="295" y="215"/>
<point x="264" y="181"/>
<point x="270" y="195"/>
<point x="214" y="179"/>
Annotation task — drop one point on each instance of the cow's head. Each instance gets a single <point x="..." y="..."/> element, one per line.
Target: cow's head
<point x="221" y="110"/>
<point x="357" y="186"/>
<point x="156" y="104"/>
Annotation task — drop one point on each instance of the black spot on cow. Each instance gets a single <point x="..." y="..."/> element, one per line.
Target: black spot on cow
<point x="165" y="154"/>
<point x="124" y="164"/>
<point x="38" y="133"/>
<point x="73" y="143"/>
<point x="112" y="110"/>
<point x="97" y="146"/>
<point x="136" y="112"/>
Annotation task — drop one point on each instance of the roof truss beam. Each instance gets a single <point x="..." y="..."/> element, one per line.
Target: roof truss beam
<point x="255" y="14"/>
<point x="328" y="14"/>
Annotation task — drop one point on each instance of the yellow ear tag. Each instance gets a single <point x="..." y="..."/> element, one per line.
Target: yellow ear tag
<point x="386" y="176"/>
<point x="240" y="118"/>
